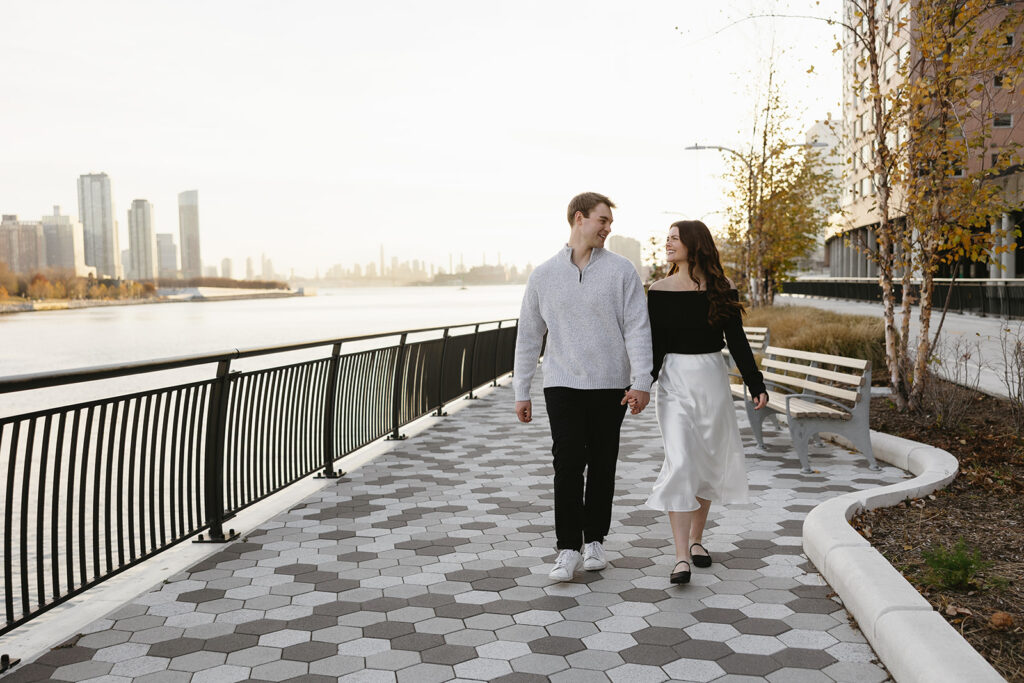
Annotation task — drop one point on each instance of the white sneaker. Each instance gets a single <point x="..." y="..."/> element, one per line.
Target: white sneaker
<point x="566" y="565"/>
<point x="593" y="556"/>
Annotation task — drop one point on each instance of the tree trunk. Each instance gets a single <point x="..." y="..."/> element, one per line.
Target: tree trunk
<point x="924" y="349"/>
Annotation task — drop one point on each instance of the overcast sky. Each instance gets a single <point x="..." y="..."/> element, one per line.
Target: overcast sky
<point x="317" y="131"/>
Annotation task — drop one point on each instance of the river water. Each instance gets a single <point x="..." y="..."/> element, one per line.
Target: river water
<point x="63" y="340"/>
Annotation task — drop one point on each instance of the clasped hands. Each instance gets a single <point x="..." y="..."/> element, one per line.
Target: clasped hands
<point x="637" y="401"/>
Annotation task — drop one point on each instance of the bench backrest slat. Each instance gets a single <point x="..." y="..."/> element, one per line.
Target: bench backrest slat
<point x="855" y="363"/>
<point x="817" y="387"/>
<point x="841" y="377"/>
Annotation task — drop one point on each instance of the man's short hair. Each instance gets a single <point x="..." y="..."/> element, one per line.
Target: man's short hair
<point x="585" y="202"/>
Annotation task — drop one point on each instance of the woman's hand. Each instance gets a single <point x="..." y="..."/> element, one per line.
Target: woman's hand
<point x="761" y="400"/>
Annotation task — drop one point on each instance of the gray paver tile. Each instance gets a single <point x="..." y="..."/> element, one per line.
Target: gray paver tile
<point x="279" y="670"/>
<point x="197" y="661"/>
<point x="222" y="674"/>
<point x="80" y="671"/>
<point x="426" y="673"/>
<point x="165" y="677"/>
<point x="338" y="665"/>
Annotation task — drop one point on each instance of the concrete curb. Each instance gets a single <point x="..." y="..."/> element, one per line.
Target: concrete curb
<point x="916" y="644"/>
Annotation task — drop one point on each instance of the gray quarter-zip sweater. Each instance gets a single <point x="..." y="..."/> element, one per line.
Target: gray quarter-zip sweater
<point x="599" y="335"/>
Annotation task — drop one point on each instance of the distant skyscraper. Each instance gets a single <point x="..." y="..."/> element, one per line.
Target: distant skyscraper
<point x="188" y="230"/>
<point x="225" y="268"/>
<point x="96" y="211"/>
<point x="268" y="268"/>
<point x="22" y="245"/>
<point x="167" y="255"/>
<point x="250" y="272"/>
<point x="65" y="243"/>
<point x="628" y="247"/>
<point x="126" y="262"/>
<point x="142" y="241"/>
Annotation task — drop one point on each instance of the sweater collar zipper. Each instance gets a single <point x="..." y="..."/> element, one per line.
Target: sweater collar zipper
<point x="593" y="253"/>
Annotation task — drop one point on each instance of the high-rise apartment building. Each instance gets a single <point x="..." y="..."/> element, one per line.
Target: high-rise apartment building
<point x="848" y="242"/>
<point x="628" y="247"/>
<point x="166" y="255"/>
<point x="22" y="245"/>
<point x="250" y="272"/>
<point x="225" y="268"/>
<point x="188" y="231"/>
<point x="142" y="241"/>
<point x="96" y="211"/>
<point x="65" y="244"/>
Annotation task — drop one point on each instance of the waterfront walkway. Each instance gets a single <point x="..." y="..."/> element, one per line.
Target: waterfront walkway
<point x="430" y="564"/>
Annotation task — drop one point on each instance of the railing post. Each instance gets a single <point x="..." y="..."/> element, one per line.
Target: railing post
<point x="472" y="362"/>
<point x="497" y="344"/>
<point x="440" y="377"/>
<point x="329" y="422"/>
<point x="396" y="393"/>
<point x="213" y="467"/>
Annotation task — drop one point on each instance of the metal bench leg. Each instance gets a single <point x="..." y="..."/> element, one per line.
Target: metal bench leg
<point x="862" y="441"/>
<point x="799" y="435"/>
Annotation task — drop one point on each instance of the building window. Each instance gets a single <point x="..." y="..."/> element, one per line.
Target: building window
<point x="1002" y="121"/>
<point x="995" y="159"/>
<point x="998" y="81"/>
<point x="1009" y="41"/>
<point x="958" y="172"/>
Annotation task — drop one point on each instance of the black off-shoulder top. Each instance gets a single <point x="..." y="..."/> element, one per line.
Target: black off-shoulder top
<point x="679" y="324"/>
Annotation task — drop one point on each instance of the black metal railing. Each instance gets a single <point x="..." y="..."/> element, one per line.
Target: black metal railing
<point x="93" y="488"/>
<point x="1004" y="298"/>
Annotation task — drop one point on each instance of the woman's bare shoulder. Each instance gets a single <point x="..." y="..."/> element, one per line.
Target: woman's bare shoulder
<point x="659" y="284"/>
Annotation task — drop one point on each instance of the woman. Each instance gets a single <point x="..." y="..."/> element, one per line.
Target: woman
<point x="691" y="311"/>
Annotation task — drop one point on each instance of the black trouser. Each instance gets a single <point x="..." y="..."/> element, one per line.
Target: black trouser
<point x="585" y="427"/>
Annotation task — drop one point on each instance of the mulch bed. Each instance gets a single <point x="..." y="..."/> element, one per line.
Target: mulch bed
<point x="984" y="506"/>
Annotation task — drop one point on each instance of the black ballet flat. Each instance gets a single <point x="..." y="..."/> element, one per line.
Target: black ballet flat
<point x="702" y="561"/>
<point x="680" y="577"/>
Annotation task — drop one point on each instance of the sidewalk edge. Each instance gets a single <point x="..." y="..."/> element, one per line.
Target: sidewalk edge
<point x="913" y="641"/>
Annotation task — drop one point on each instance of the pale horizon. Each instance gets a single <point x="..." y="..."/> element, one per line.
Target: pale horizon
<point x="315" y="132"/>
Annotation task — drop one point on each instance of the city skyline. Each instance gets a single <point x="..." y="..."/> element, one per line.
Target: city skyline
<point x="392" y="122"/>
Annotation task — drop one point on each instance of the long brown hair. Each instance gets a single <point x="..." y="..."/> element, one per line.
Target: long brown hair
<point x="702" y="255"/>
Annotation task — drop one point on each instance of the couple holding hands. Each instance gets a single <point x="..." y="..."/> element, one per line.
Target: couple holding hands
<point x="605" y="348"/>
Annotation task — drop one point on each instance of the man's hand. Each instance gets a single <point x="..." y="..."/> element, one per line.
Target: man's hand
<point x="760" y="401"/>
<point x="524" y="411"/>
<point x="637" y="401"/>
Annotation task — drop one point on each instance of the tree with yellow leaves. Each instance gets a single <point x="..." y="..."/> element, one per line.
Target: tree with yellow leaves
<point x="964" y="67"/>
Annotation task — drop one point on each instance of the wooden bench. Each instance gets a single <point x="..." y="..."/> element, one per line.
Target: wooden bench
<point x="817" y="393"/>
<point x="757" y="337"/>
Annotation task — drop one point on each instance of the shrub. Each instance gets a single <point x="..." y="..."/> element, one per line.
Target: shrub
<point x="813" y="329"/>
<point x="953" y="568"/>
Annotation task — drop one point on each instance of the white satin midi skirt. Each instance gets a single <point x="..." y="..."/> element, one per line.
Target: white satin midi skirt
<point x="703" y="451"/>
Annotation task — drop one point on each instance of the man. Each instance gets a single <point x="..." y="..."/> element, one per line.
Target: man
<point x="598" y="358"/>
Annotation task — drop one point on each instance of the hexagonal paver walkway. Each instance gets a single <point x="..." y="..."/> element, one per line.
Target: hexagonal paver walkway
<point x="430" y="564"/>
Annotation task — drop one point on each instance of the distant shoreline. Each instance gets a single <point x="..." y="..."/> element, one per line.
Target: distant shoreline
<point x="196" y="297"/>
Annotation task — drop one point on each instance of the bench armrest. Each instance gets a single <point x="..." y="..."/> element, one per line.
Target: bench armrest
<point x="813" y="398"/>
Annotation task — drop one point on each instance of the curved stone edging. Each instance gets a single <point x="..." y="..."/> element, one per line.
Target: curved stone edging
<point x="914" y="641"/>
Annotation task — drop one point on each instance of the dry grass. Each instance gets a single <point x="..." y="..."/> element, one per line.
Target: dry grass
<point x="814" y="329"/>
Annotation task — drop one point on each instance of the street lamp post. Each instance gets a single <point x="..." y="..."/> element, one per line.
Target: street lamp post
<point x="754" y="283"/>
